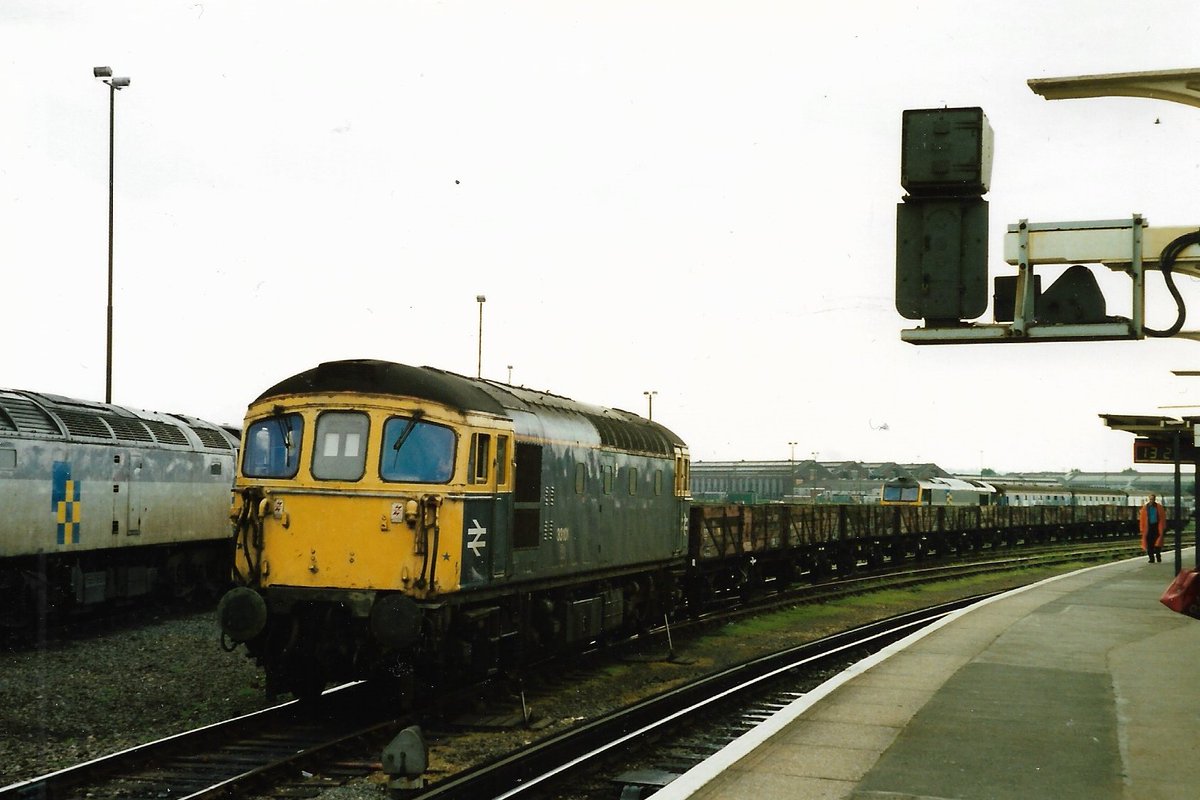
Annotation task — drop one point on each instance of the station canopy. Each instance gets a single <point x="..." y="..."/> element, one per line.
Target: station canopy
<point x="1174" y="85"/>
<point x="1159" y="440"/>
<point x="1150" y="427"/>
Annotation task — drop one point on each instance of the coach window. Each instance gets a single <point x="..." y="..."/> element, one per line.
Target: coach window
<point x="632" y="481"/>
<point x="606" y="477"/>
<point x="273" y="447"/>
<point x="8" y="458"/>
<point x="658" y="482"/>
<point x="417" y="451"/>
<point x="580" y="478"/>
<point x="340" y="451"/>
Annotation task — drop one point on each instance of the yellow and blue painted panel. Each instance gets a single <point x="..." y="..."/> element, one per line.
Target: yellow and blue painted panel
<point x="64" y="502"/>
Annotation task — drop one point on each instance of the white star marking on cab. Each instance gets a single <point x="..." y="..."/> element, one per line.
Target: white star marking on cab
<point x="477" y="542"/>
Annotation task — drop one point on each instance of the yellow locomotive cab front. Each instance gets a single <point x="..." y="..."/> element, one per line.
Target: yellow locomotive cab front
<point x="357" y="496"/>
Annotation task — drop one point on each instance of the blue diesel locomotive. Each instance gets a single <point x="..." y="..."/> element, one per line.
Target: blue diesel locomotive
<point x="394" y="518"/>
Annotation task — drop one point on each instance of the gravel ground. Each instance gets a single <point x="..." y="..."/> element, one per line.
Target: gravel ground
<point x="68" y="702"/>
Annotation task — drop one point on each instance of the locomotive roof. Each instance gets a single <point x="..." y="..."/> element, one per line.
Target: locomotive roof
<point x="947" y="482"/>
<point x="614" y="427"/>
<point x="31" y="414"/>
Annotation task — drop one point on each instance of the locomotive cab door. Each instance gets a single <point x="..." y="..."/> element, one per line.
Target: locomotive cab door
<point x="136" y="500"/>
<point x="127" y="494"/>
<point x="527" y="504"/>
<point x="485" y="531"/>
<point x="502" y="506"/>
<point x="120" y="493"/>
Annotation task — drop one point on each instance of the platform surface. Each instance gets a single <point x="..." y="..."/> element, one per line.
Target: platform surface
<point x="1082" y="686"/>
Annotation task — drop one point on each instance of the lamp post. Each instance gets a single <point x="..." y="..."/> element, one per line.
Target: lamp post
<point x="510" y="374"/>
<point x="479" y="363"/>
<point x="650" y="399"/>
<point x="791" y="489"/>
<point x="813" y="489"/>
<point x="105" y="73"/>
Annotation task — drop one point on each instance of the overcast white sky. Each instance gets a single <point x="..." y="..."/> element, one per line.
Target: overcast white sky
<point x="693" y="198"/>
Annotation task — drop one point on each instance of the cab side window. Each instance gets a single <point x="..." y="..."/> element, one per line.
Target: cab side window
<point x="501" y="460"/>
<point x="480" y="463"/>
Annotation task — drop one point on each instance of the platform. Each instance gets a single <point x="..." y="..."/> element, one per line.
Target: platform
<point x="1081" y="686"/>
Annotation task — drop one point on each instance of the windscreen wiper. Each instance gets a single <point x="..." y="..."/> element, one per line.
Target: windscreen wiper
<point x="404" y="434"/>
<point x="286" y="431"/>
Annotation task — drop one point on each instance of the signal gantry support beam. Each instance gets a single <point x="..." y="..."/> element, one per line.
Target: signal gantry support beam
<point x="1073" y="309"/>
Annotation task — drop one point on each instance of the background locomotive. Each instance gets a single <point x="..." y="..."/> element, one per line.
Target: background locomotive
<point x="395" y="519"/>
<point x="937" y="491"/>
<point x="949" y="491"/>
<point x="100" y="502"/>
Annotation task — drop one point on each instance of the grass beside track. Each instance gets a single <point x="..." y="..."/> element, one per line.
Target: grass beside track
<point x="813" y="620"/>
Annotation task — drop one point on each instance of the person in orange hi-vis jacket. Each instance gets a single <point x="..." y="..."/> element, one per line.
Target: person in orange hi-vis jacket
<point x="1152" y="522"/>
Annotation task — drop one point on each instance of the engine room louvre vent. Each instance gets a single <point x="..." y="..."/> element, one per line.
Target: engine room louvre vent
<point x="27" y="417"/>
<point x="212" y="438"/>
<point x="166" y="433"/>
<point x="80" y="423"/>
<point x="629" y="436"/>
<point x="131" y="430"/>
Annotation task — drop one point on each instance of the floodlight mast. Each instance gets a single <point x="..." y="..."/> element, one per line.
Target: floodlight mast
<point x="114" y="84"/>
<point x="1073" y="308"/>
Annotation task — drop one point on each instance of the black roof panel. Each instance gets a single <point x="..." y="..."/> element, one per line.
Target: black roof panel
<point x="615" y="428"/>
<point x="384" y="377"/>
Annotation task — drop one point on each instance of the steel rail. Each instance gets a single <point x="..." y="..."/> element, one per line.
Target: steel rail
<point x="200" y="744"/>
<point x="556" y="756"/>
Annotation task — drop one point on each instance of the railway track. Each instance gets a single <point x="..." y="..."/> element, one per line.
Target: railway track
<point x="679" y="724"/>
<point x="343" y="733"/>
<point x="228" y="757"/>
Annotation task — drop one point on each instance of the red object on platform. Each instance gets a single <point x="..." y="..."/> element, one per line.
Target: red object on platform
<point x="1183" y="595"/>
